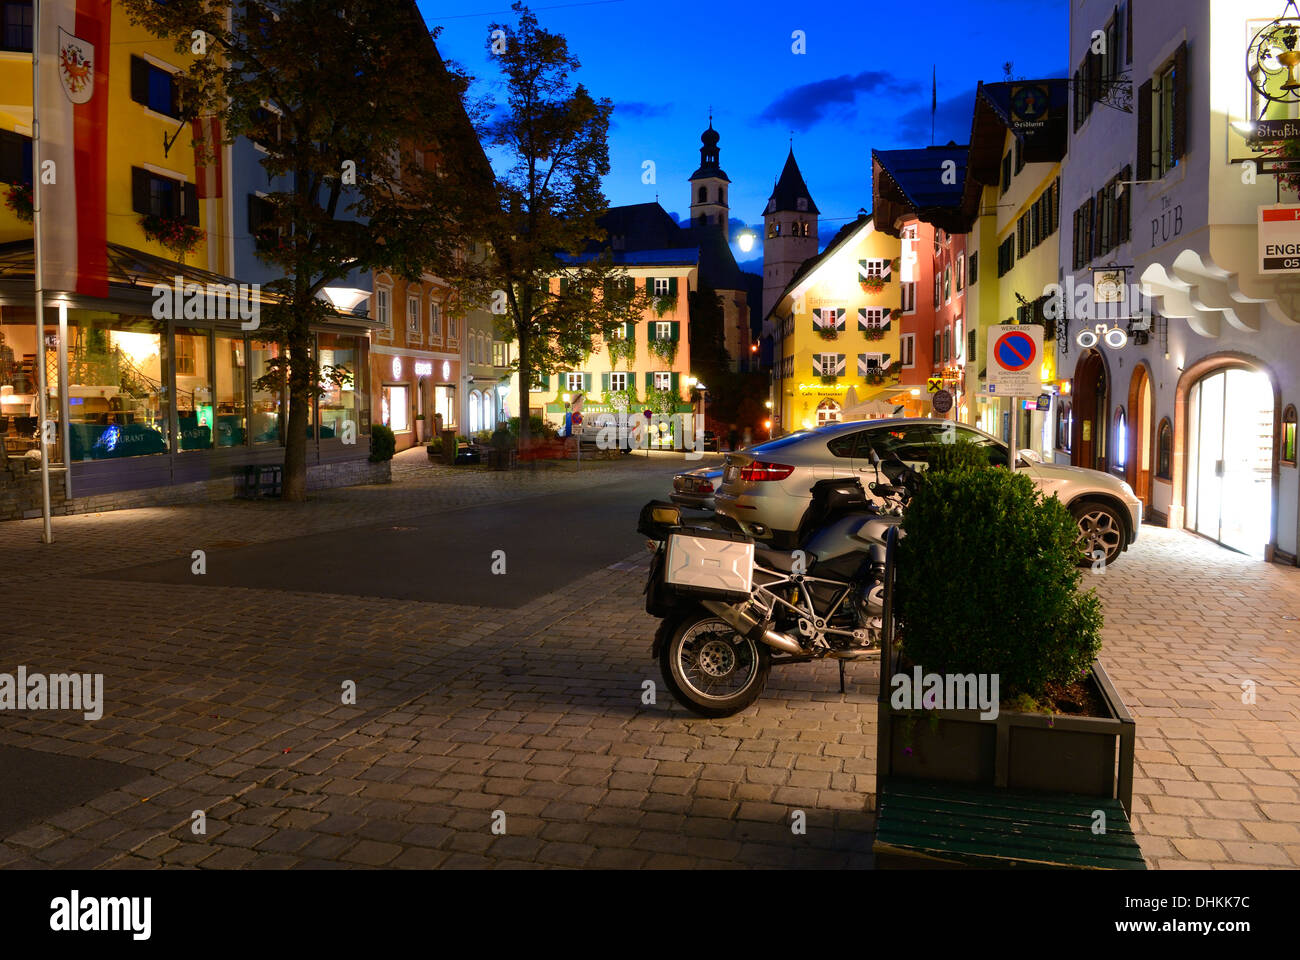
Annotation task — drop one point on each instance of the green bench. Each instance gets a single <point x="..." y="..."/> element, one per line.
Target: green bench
<point x="922" y="823"/>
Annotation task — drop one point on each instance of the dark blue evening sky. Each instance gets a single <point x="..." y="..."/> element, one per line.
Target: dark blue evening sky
<point x="864" y="82"/>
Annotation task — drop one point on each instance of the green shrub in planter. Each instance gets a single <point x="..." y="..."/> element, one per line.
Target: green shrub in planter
<point x="959" y="454"/>
<point x="987" y="582"/>
<point x="382" y="443"/>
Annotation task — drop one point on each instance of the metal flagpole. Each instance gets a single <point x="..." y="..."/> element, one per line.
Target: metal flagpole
<point x="47" y="533"/>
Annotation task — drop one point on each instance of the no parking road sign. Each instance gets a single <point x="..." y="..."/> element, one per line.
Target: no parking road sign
<point x="1015" y="360"/>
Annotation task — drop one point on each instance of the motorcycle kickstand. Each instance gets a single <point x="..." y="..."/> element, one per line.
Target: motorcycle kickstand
<point x="841" y="663"/>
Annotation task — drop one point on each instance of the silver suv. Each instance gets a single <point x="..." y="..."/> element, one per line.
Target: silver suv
<point x="766" y="489"/>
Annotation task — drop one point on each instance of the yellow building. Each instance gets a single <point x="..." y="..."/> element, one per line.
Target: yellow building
<point x="836" y="333"/>
<point x="138" y="154"/>
<point x="1012" y="202"/>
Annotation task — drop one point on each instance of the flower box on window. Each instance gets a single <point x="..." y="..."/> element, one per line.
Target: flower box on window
<point x="172" y="232"/>
<point x="872" y="284"/>
<point x="18" y="198"/>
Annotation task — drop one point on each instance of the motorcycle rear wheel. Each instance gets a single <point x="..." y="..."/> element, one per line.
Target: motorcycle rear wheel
<point x="711" y="669"/>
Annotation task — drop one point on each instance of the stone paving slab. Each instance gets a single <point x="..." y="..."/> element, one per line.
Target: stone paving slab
<point x="228" y="700"/>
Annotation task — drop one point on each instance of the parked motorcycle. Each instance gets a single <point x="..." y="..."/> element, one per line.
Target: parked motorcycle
<point x="732" y="609"/>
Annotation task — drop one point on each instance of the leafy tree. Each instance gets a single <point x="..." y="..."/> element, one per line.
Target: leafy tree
<point x="332" y="90"/>
<point x="551" y="137"/>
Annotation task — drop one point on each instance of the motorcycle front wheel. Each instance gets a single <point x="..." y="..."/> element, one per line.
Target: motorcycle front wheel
<point x="711" y="669"/>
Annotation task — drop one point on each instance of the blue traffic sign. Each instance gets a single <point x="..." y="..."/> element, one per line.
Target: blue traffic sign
<point x="1015" y="351"/>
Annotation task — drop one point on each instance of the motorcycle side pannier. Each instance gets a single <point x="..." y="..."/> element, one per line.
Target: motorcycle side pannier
<point x="712" y="564"/>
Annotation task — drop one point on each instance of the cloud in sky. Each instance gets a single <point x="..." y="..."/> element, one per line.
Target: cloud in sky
<point x="806" y="105"/>
<point x="952" y="121"/>
<point x="640" y="108"/>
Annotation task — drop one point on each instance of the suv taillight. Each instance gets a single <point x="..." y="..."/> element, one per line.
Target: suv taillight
<point x="758" y="470"/>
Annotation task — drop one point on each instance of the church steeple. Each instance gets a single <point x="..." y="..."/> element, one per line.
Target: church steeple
<point x="790" y="218"/>
<point x="709" y="185"/>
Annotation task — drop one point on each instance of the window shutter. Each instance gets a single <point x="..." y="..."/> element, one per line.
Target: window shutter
<point x="629" y="330"/>
<point x="840" y="364"/>
<point x="1144" y="131"/>
<point x="1180" y="102"/>
<point x="140" y="190"/>
<point x="586" y="382"/>
<point x="564" y="284"/>
<point x="672" y="287"/>
<point x="604" y="382"/>
<point x="817" y="364"/>
<point x="546" y="381"/>
<point x="839" y="318"/>
<point x="676" y="330"/>
<point x="653" y="329"/>
<point x="190" y="192"/>
<point x="139" y="80"/>
<point x="970" y="346"/>
<point x="649" y="382"/>
<point x="1126" y="205"/>
<point x="886" y="269"/>
<point x="650" y="285"/>
<point x="676" y="378"/>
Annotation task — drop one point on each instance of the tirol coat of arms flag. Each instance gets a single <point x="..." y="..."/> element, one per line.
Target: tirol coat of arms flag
<point x="74" y="45"/>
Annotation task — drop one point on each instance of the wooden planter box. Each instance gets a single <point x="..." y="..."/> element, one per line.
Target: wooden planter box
<point x="1087" y="756"/>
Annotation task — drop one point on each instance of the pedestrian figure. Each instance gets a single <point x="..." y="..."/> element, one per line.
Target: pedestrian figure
<point x="733" y="437"/>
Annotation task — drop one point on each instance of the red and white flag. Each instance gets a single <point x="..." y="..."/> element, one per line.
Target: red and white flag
<point x="73" y="117"/>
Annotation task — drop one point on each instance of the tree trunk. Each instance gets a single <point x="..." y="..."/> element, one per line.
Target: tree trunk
<point x="525" y="384"/>
<point x="300" y="398"/>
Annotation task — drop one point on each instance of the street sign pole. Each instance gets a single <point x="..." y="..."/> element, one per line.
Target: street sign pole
<point x="1013" y="447"/>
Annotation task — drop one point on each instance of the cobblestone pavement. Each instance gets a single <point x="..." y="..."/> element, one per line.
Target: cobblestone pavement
<point x="227" y="700"/>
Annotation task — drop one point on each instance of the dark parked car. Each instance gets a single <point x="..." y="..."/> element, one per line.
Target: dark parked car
<point x="695" y="488"/>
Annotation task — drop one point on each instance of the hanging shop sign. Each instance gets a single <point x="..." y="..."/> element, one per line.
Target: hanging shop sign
<point x="1113" y="337"/>
<point x="423" y="368"/>
<point x="1029" y="103"/>
<point x="1279" y="238"/>
<point x="1109" y="285"/>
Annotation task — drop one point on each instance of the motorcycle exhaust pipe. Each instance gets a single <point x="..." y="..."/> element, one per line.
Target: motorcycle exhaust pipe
<point x="741" y="622"/>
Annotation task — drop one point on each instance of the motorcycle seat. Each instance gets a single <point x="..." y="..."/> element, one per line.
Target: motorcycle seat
<point x="781" y="560"/>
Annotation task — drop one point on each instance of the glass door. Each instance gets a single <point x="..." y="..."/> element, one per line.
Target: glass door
<point x="1232" y="426"/>
<point x="1247" y="509"/>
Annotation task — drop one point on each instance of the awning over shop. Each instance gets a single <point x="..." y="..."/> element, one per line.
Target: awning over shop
<point x="132" y="276"/>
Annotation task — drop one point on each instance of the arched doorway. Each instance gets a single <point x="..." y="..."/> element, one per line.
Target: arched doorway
<point x="1231" y="462"/>
<point x="1090" y="408"/>
<point x="1140" y="433"/>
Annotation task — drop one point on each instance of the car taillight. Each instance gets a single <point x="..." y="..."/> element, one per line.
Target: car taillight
<point x="758" y="470"/>
<point x="703" y="486"/>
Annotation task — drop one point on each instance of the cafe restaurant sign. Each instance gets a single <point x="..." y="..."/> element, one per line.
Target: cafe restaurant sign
<point x="1279" y="238"/>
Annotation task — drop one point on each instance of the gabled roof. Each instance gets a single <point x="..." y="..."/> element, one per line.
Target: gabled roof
<point x="789" y="189"/>
<point x="845" y="235"/>
<point x="640" y="226"/>
<point x="1043" y="141"/>
<point x="918" y="183"/>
